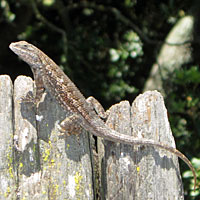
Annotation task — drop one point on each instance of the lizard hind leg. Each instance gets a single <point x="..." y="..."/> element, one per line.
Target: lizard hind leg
<point x="70" y="125"/>
<point x="95" y="105"/>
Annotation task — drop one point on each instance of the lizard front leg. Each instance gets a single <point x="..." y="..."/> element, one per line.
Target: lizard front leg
<point x="39" y="88"/>
<point x="29" y="98"/>
<point x="70" y="125"/>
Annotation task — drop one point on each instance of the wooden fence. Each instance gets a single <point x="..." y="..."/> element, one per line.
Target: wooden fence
<point x="36" y="162"/>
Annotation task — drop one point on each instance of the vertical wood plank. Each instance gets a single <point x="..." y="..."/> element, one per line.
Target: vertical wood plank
<point x="116" y="160"/>
<point x="66" y="160"/>
<point x="159" y="174"/>
<point x="27" y="160"/>
<point x="7" y="174"/>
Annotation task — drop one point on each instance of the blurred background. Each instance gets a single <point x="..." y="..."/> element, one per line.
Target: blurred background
<point x="115" y="50"/>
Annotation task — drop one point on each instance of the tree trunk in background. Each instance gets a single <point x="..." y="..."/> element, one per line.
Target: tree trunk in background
<point x="172" y="57"/>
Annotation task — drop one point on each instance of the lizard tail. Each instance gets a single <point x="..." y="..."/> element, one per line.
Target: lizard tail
<point x="112" y="135"/>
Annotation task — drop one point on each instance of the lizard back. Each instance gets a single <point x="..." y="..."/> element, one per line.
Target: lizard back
<point x="62" y="88"/>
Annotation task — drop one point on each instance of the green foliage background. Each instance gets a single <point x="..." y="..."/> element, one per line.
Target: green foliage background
<point x="108" y="48"/>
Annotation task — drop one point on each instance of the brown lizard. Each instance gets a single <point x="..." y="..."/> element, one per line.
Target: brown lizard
<point x="49" y="76"/>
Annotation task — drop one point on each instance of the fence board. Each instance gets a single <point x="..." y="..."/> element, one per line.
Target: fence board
<point x="27" y="160"/>
<point x="66" y="161"/>
<point x="7" y="176"/>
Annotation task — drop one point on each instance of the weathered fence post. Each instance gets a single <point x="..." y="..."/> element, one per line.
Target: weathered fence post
<point x="140" y="172"/>
<point x="7" y="174"/>
<point x="42" y="164"/>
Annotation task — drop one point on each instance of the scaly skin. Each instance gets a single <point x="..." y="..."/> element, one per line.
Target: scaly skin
<point x="49" y="76"/>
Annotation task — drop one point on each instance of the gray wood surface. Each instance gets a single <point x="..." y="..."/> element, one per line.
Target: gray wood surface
<point x="37" y="162"/>
<point x="7" y="174"/>
<point x="140" y="172"/>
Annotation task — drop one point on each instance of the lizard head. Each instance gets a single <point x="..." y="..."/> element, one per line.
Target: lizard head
<point x="27" y="53"/>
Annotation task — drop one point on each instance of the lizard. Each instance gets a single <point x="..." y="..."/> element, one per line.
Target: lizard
<point x="50" y="77"/>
